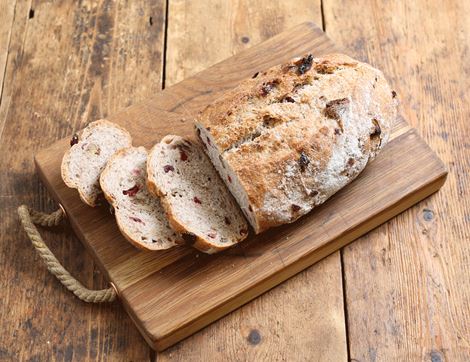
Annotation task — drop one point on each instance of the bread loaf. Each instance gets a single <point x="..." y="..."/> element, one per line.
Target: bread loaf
<point x="90" y="149"/>
<point x="290" y="137"/>
<point x="139" y="215"/>
<point x="197" y="203"/>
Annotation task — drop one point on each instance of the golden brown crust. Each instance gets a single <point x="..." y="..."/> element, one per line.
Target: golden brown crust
<point x="298" y="132"/>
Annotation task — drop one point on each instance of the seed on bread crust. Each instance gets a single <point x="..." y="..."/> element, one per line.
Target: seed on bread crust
<point x="304" y="64"/>
<point x="303" y="161"/>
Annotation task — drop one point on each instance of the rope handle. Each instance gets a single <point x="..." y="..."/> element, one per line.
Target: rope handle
<point x="29" y="218"/>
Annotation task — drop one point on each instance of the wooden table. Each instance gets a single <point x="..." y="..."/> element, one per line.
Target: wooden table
<point x="402" y="292"/>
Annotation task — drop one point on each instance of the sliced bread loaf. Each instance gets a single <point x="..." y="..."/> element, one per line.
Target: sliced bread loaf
<point x="290" y="137"/>
<point x="196" y="201"/>
<point x="139" y="214"/>
<point x="83" y="163"/>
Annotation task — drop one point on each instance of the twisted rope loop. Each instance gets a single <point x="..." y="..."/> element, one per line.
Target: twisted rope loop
<point x="30" y="217"/>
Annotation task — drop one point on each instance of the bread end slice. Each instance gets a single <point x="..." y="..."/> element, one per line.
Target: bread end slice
<point x="90" y="149"/>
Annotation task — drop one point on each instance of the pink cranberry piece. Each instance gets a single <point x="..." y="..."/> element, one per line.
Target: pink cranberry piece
<point x="227" y="220"/>
<point x="136" y="219"/>
<point x="183" y="155"/>
<point x="132" y="191"/>
<point x="196" y="200"/>
<point x="168" y="168"/>
<point x="229" y="179"/>
<point x="74" y="140"/>
<point x="212" y="235"/>
<point x="136" y="172"/>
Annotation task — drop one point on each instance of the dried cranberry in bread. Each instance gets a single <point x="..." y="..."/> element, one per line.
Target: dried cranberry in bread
<point x="90" y="150"/>
<point x="196" y="201"/>
<point x="139" y="214"/>
<point x="290" y="137"/>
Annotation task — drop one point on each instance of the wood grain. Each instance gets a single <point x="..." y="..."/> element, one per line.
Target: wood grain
<point x="185" y="290"/>
<point x="9" y="37"/>
<point x="407" y="282"/>
<point x="68" y="62"/>
<point x="7" y="9"/>
<point x="268" y="327"/>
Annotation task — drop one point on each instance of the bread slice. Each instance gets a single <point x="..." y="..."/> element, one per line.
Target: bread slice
<point x="139" y="214"/>
<point x="196" y="201"/>
<point x="83" y="163"/>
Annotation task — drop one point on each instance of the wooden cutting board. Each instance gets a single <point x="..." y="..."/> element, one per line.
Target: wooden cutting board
<point x="172" y="294"/>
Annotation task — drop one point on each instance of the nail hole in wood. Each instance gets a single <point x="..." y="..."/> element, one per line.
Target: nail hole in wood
<point x="151" y="21"/>
<point x="254" y="337"/>
<point x="436" y="356"/>
<point x="428" y="215"/>
<point x="31" y="14"/>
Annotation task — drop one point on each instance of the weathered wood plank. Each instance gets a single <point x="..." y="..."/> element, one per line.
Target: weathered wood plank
<point x="268" y="327"/>
<point x="68" y="63"/>
<point x="7" y="11"/>
<point x="407" y="284"/>
<point x="7" y="32"/>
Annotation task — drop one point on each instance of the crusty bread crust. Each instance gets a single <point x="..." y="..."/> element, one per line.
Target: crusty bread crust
<point x="295" y="134"/>
<point x="124" y="230"/>
<point x="65" y="169"/>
